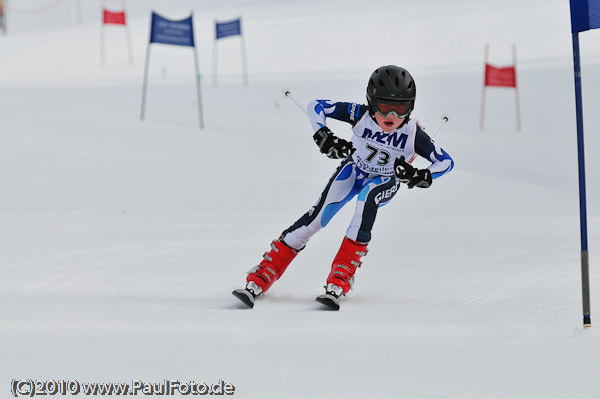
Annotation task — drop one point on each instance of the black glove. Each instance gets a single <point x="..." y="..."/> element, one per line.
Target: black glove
<point x="410" y="175"/>
<point x="332" y="146"/>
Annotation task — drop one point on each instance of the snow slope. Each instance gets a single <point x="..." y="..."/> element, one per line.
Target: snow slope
<point x="121" y="240"/>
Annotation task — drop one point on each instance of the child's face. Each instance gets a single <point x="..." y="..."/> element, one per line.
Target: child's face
<point x="388" y="124"/>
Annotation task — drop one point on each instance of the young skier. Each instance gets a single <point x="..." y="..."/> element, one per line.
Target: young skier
<point x="374" y="165"/>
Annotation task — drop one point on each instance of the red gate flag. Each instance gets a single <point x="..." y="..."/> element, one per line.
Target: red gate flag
<point x="501" y="77"/>
<point x="114" y="18"/>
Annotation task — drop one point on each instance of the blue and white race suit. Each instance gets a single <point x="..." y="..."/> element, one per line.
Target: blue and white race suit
<point x="368" y="173"/>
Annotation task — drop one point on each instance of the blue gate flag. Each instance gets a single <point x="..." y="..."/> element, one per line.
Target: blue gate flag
<point x="585" y="15"/>
<point x="166" y="31"/>
<point x="231" y="28"/>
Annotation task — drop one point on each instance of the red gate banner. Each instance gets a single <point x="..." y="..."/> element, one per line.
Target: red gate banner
<point x="501" y="77"/>
<point x="114" y="18"/>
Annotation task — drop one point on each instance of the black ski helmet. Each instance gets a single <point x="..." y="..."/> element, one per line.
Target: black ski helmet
<point x="391" y="83"/>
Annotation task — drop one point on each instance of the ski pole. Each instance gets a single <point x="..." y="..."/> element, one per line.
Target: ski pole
<point x="445" y="118"/>
<point x="288" y="94"/>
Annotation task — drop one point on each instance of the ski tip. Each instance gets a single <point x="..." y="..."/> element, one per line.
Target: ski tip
<point x="329" y="301"/>
<point x="244" y="296"/>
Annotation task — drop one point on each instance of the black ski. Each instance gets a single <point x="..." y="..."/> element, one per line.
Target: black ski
<point x="245" y="296"/>
<point x="329" y="300"/>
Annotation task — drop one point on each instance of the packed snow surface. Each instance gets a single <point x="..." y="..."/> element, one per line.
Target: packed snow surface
<point x="121" y="240"/>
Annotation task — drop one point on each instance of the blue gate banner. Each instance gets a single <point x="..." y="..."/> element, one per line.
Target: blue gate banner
<point x="166" y="31"/>
<point x="585" y="15"/>
<point x="231" y="28"/>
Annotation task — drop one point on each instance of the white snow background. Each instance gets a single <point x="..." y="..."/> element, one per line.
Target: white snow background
<point x="121" y="240"/>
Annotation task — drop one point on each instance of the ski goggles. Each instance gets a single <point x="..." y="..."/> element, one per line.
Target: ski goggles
<point x="386" y="108"/>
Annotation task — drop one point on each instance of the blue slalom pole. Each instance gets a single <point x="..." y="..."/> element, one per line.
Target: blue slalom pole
<point x="585" y="268"/>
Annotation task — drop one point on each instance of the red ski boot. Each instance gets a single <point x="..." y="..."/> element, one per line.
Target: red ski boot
<point x="341" y="277"/>
<point x="261" y="277"/>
